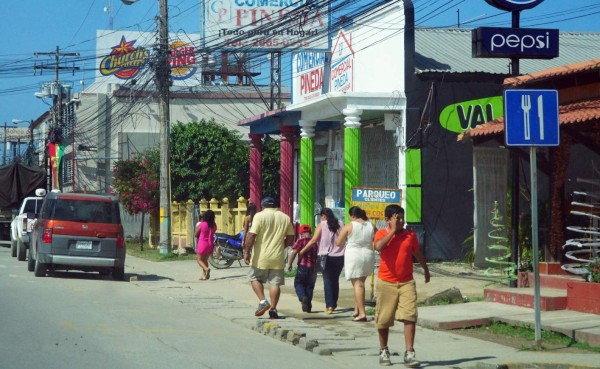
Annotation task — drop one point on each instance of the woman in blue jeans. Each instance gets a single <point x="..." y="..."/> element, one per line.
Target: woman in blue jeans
<point x="325" y="235"/>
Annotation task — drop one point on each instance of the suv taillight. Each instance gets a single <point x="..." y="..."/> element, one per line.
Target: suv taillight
<point x="120" y="241"/>
<point x="47" y="235"/>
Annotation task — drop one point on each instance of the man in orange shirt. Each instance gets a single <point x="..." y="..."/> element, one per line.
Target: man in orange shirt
<point x="396" y="289"/>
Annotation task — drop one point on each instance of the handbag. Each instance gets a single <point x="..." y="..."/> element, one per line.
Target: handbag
<point x="322" y="259"/>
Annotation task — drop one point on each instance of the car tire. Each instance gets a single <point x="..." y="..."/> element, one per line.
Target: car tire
<point x="13" y="248"/>
<point x="118" y="274"/>
<point x="21" y="251"/>
<point x="30" y="262"/>
<point x="39" y="269"/>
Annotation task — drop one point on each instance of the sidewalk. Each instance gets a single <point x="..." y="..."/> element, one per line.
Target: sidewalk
<point x="355" y="345"/>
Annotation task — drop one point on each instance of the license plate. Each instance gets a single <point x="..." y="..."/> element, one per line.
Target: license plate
<point x="83" y="245"/>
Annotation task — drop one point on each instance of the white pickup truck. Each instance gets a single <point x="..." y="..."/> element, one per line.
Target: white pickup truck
<point x="21" y="225"/>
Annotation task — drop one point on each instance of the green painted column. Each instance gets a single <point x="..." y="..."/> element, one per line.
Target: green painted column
<point x="351" y="155"/>
<point x="307" y="180"/>
<point x="413" y="186"/>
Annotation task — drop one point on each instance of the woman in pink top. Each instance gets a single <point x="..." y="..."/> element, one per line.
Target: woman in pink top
<point x="325" y="236"/>
<point x="205" y="232"/>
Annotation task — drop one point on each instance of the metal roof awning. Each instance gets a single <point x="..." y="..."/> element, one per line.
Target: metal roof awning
<point x="327" y="109"/>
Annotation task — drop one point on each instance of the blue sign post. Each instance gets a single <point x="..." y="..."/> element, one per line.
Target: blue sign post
<point x="531" y="117"/>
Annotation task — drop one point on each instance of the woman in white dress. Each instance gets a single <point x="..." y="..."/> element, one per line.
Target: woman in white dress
<point x="359" y="258"/>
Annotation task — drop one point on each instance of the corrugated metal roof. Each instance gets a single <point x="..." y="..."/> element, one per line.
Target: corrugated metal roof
<point x="449" y="50"/>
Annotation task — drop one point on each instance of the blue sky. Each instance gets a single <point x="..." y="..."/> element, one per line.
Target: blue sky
<point x="30" y="26"/>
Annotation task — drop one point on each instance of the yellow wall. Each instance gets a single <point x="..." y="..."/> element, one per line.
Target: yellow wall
<point x="229" y="218"/>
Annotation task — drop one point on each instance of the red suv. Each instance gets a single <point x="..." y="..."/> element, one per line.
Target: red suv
<point x="78" y="232"/>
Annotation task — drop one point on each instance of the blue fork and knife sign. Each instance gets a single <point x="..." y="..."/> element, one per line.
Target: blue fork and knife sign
<point x="531" y="117"/>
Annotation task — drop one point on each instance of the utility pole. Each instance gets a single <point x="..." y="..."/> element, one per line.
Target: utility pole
<point x="4" y="147"/>
<point x="275" y="84"/>
<point x="55" y="132"/>
<point x="162" y="77"/>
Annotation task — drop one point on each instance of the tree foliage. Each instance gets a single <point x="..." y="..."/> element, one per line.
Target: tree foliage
<point x="208" y="160"/>
<point x="137" y="182"/>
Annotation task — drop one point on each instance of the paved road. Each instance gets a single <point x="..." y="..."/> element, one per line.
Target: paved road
<point x="166" y="317"/>
<point x="82" y="320"/>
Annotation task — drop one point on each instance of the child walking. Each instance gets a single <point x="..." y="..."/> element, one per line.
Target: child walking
<point x="306" y="275"/>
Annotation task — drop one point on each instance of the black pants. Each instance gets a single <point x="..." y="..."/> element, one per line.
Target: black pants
<point x="331" y="280"/>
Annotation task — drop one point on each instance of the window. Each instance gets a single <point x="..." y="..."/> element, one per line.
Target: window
<point x="32" y="206"/>
<point x="66" y="173"/>
<point x="87" y="211"/>
<point x="68" y="122"/>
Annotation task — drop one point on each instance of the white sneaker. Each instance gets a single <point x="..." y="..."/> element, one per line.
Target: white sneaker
<point x="410" y="359"/>
<point x="384" y="357"/>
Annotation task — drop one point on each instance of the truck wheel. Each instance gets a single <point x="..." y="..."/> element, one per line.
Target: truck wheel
<point x="39" y="269"/>
<point x="13" y="248"/>
<point x="30" y="262"/>
<point x="118" y="274"/>
<point x="21" y="251"/>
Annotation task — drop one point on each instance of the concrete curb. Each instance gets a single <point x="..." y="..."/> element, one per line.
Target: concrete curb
<point x="229" y="297"/>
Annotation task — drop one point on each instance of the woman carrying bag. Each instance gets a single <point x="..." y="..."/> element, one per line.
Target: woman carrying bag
<point x="325" y="236"/>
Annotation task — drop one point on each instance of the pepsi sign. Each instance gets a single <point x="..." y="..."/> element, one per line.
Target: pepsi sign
<point x="527" y="43"/>
<point x="514" y="5"/>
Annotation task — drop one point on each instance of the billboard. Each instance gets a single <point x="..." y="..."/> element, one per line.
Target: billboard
<point x="374" y="200"/>
<point x="308" y="70"/>
<point x="342" y="64"/>
<point x="126" y="55"/>
<point x="466" y="115"/>
<point x="307" y="75"/>
<point x="530" y="43"/>
<point x="8" y="133"/>
<point x="514" y="5"/>
<point x="266" y="24"/>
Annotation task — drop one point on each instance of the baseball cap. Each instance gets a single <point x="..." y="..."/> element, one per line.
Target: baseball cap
<point x="268" y="201"/>
<point x="304" y="228"/>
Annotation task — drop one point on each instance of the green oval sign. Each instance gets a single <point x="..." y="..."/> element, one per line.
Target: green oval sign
<point x="469" y="114"/>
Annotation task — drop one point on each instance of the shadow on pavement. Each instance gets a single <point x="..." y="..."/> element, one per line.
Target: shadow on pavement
<point x="148" y="277"/>
<point x="452" y="363"/>
<point x="237" y="276"/>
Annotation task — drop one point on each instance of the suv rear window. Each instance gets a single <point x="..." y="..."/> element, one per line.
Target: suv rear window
<point x="87" y="211"/>
<point x="32" y="205"/>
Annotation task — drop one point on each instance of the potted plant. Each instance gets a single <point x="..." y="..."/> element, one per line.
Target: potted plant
<point x="594" y="271"/>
